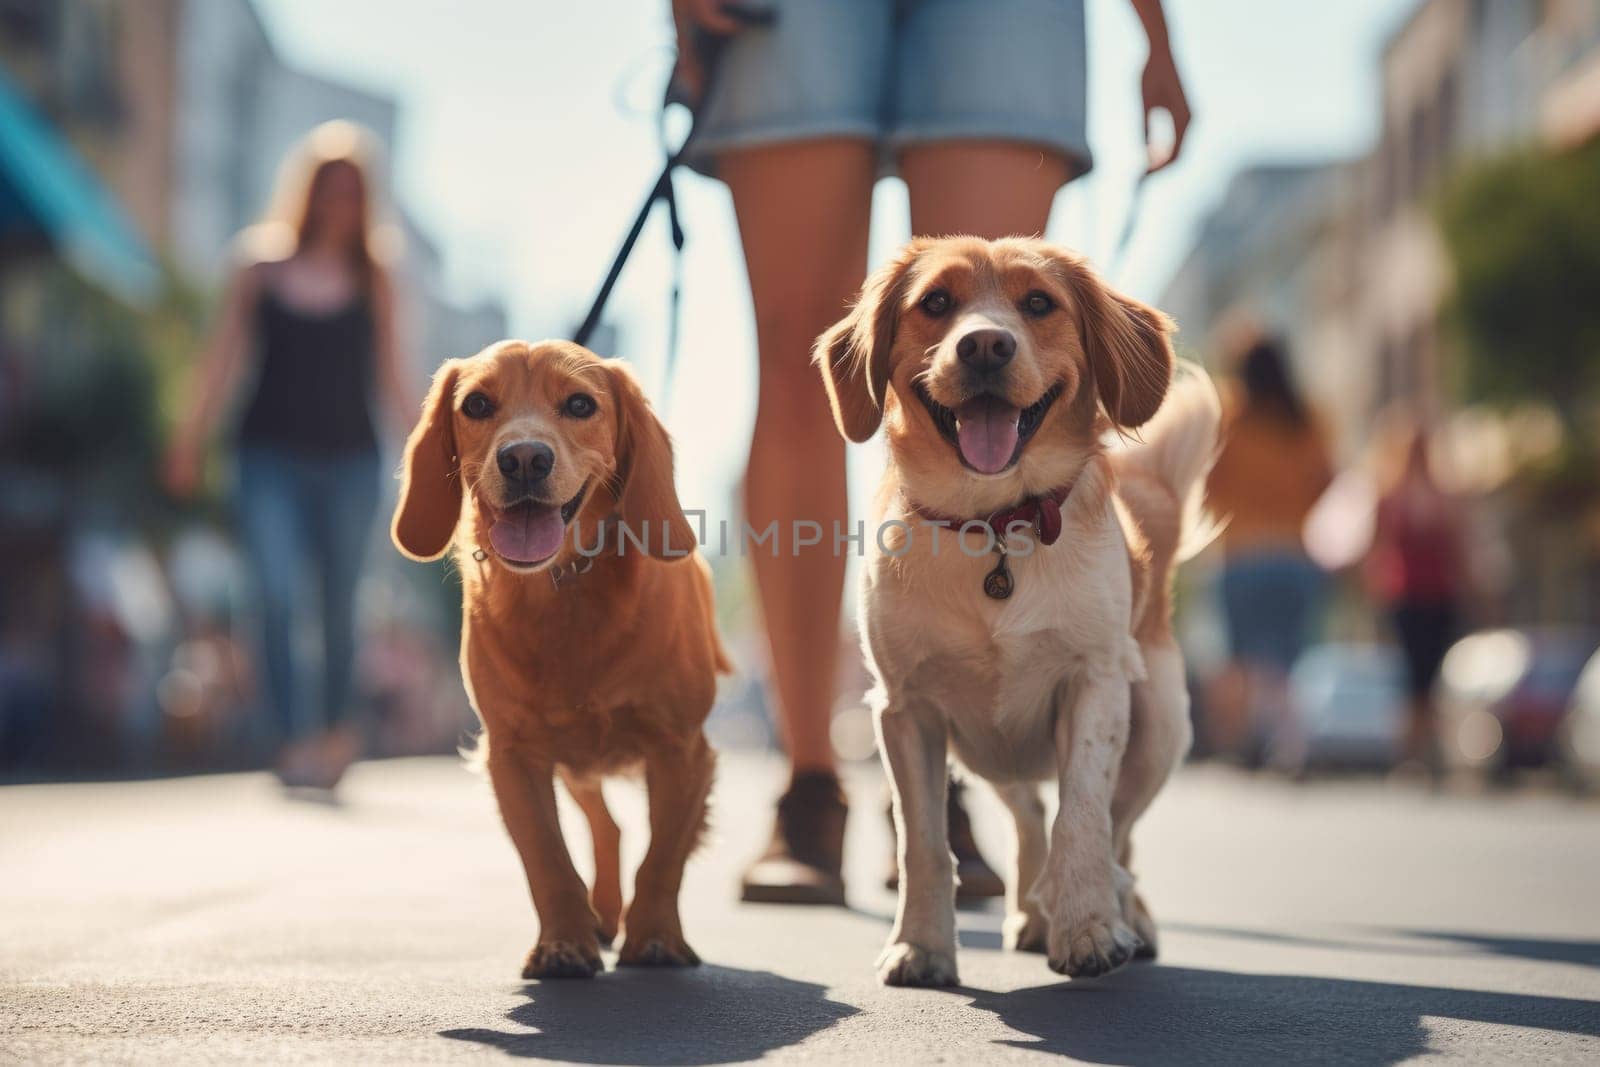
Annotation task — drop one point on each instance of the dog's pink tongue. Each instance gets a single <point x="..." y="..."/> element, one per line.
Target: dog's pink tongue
<point x="527" y="533"/>
<point x="986" y="431"/>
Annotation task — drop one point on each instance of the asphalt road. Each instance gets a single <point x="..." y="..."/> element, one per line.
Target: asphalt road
<point x="210" y="919"/>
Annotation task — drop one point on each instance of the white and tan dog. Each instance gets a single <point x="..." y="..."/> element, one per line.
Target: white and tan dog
<point x="1016" y="606"/>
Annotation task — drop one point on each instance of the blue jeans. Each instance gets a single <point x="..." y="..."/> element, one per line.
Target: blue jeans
<point x="1271" y="600"/>
<point x="301" y="513"/>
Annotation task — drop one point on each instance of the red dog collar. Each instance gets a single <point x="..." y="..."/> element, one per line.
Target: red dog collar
<point x="1043" y="513"/>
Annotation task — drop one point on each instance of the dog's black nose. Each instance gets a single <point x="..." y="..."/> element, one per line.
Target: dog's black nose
<point x="526" y="462"/>
<point x="987" y="349"/>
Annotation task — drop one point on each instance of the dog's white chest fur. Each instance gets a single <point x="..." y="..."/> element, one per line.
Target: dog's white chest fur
<point x="999" y="672"/>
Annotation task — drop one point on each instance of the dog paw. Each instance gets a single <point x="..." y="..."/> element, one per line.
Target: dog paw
<point x="563" y="959"/>
<point x="1144" y="927"/>
<point x="905" y="964"/>
<point x="1024" y="931"/>
<point x="657" y="950"/>
<point x="1092" y="948"/>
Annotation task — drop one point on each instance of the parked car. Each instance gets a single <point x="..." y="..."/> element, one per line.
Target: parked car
<point x="1349" y="708"/>
<point x="1580" y="734"/>
<point x="1503" y="695"/>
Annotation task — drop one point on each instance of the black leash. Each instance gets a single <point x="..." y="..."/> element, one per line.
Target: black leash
<point x="663" y="192"/>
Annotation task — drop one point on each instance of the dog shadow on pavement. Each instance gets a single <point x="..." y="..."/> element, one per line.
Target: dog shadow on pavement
<point x="1422" y="942"/>
<point x="701" y="1015"/>
<point x="1153" y="1014"/>
<point x="1535" y="949"/>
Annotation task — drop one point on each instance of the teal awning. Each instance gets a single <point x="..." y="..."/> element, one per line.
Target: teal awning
<point x="47" y="190"/>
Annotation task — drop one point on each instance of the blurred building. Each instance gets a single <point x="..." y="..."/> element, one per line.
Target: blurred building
<point x="75" y="60"/>
<point x="186" y="109"/>
<point x="240" y="108"/>
<point x="1344" y="257"/>
<point x="166" y="120"/>
<point x="1279" y="248"/>
<point x="444" y="329"/>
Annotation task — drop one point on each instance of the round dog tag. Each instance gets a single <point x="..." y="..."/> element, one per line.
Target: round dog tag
<point x="997" y="583"/>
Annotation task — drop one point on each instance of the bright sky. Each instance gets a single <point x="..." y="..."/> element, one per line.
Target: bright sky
<point x="527" y="138"/>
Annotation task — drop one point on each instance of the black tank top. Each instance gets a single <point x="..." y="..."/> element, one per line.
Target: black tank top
<point x="314" y="381"/>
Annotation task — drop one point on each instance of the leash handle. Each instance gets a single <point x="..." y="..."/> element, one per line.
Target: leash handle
<point x="663" y="191"/>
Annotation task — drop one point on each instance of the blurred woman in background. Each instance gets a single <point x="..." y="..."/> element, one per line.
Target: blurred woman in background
<point x="307" y="333"/>
<point x="1416" y="571"/>
<point x="1273" y="466"/>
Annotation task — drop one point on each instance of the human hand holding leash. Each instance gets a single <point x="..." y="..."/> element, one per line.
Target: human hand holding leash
<point x="719" y="18"/>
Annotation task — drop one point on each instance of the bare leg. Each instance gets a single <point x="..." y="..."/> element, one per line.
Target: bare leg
<point x="988" y="189"/>
<point x="803" y="215"/>
<point x="567" y="946"/>
<point x="922" y="946"/>
<point x="1082" y="886"/>
<point x="606" y="895"/>
<point x="679" y="782"/>
<point x="1026" y="925"/>
<point x="1227" y="721"/>
<point x="1422" y="732"/>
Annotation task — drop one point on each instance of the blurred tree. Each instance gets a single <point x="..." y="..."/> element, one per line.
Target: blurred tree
<point x="1523" y="232"/>
<point x="96" y="386"/>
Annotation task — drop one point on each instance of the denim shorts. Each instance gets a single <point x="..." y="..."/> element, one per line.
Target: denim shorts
<point x="901" y="72"/>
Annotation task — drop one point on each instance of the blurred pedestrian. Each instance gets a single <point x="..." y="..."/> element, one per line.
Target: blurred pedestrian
<point x="1273" y="467"/>
<point x="307" y="332"/>
<point x="1416" y="571"/>
<point x="980" y="107"/>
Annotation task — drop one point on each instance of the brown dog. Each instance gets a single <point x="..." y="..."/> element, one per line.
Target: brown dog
<point x="588" y="645"/>
<point x="1020" y="618"/>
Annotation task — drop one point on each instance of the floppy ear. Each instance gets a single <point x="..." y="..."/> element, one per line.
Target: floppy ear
<point x="853" y="354"/>
<point x="1128" y="346"/>
<point x="647" y="499"/>
<point x="430" y="486"/>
